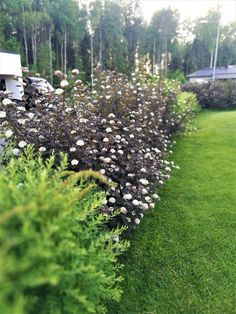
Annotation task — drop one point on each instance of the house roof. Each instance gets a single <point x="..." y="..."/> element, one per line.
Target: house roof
<point x="221" y="73"/>
<point x="10" y="52"/>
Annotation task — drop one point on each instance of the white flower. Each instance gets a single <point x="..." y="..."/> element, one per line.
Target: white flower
<point x="105" y="140"/>
<point x="143" y="170"/>
<point x="137" y="221"/>
<point x="58" y="73"/>
<point x="161" y="182"/>
<point x="22" y="144"/>
<point x="131" y="135"/>
<point x="167" y="169"/>
<point x="15" y="151"/>
<point x="112" y="200"/>
<point x="21" y="108"/>
<point x="127" y="197"/>
<point x="145" y="206"/>
<point x="123" y="210"/>
<point x="59" y="91"/>
<point x="131" y="175"/>
<point x="21" y="121"/>
<point x="8" y="133"/>
<point x="108" y="97"/>
<point x="73" y="132"/>
<point x="135" y="202"/>
<point x="107" y="160"/>
<point x="68" y="109"/>
<point x="128" y="219"/>
<point x="2" y="114"/>
<point x="42" y="149"/>
<point x="31" y="115"/>
<point x="155" y="196"/>
<point x="75" y="72"/>
<point x="72" y="149"/>
<point x="108" y="130"/>
<point x="119" y="92"/>
<point x="80" y="143"/>
<point x="148" y="199"/>
<point x="157" y="150"/>
<point x="144" y="191"/>
<point x="64" y="83"/>
<point x="151" y="205"/>
<point x="102" y="171"/>
<point x="111" y="116"/>
<point x="82" y="120"/>
<point x="6" y="101"/>
<point x="74" y="162"/>
<point x="144" y="181"/>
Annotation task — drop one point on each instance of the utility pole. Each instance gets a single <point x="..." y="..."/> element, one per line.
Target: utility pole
<point x="216" y="52"/>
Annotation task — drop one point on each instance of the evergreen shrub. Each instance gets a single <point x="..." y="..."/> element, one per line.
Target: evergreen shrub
<point x="56" y="254"/>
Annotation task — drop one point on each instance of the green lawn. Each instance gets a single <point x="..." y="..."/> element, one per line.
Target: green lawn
<point x="183" y="256"/>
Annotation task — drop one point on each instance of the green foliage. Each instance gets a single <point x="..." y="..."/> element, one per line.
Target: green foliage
<point x="177" y="75"/>
<point x="44" y="59"/>
<point x="187" y="101"/>
<point x="56" y="256"/>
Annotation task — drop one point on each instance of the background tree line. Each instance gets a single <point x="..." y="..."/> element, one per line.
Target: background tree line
<point x="56" y="34"/>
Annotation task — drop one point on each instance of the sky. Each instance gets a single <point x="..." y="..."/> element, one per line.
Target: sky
<point x="191" y="8"/>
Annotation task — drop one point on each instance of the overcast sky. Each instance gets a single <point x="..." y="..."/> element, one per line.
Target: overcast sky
<point x="191" y="8"/>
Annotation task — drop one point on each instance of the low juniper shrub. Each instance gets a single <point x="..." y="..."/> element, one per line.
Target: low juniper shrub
<point x="56" y="254"/>
<point x="122" y="128"/>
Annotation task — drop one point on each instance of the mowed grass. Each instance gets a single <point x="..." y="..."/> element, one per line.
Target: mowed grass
<point x="183" y="255"/>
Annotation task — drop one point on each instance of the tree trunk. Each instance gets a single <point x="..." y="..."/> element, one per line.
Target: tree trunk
<point x="100" y="47"/>
<point x="154" y="56"/>
<point x="50" y="53"/>
<point x="91" y="44"/>
<point x="211" y="63"/>
<point x="25" y="39"/>
<point x="65" y="54"/>
<point x="34" y="37"/>
<point x="62" y="58"/>
<point x="166" y="57"/>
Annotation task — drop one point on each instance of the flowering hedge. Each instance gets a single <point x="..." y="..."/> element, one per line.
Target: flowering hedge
<point x="122" y="128"/>
<point x="214" y="95"/>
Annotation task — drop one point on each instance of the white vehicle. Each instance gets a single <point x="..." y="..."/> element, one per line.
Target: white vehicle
<point x="11" y="74"/>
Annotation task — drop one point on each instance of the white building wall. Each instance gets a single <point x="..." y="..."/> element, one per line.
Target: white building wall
<point x="10" y="64"/>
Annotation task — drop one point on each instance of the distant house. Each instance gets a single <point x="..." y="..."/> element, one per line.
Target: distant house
<point x="206" y="74"/>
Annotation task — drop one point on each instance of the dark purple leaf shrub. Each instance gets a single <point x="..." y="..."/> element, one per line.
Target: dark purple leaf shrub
<point x="214" y="95"/>
<point x="122" y="128"/>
